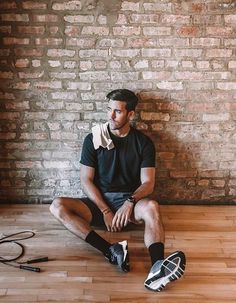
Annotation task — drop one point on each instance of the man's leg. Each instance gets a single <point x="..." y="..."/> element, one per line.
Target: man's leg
<point x="163" y="270"/>
<point x="76" y="216"/>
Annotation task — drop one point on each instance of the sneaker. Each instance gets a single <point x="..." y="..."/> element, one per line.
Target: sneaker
<point x="165" y="271"/>
<point x="119" y="255"/>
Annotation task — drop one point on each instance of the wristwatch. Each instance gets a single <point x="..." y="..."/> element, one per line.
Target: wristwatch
<point x="131" y="199"/>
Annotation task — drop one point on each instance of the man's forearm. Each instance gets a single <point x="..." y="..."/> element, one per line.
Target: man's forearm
<point x="143" y="191"/>
<point x="94" y="194"/>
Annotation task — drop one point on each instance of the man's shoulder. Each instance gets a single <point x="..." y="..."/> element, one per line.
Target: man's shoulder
<point x="88" y="139"/>
<point x="141" y="135"/>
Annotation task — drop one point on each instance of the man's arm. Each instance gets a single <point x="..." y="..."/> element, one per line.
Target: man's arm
<point x="87" y="181"/>
<point x="147" y="177"/>
<point x="122" y="216"/>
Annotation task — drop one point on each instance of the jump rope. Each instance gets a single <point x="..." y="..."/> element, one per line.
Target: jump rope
<point x="14" y="260"/>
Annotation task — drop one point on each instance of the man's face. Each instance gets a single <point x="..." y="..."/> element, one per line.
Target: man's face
<point x="118" y="116"/>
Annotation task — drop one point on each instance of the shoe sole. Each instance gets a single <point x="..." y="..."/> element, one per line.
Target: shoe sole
<point x="125" y="264"/>
<point x="158" y="284"/>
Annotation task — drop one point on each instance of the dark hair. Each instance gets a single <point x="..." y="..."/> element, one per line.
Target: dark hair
<point x="126" y="96"/>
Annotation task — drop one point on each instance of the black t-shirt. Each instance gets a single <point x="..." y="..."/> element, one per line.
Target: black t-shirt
<point x="118" y="169"/>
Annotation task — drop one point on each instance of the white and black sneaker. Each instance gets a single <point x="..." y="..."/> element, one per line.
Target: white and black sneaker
<point x="118" y="255"/>
<point x="165" y="271"/>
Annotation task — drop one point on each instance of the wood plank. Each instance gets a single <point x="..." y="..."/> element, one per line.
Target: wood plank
<point x="78" y="273"/>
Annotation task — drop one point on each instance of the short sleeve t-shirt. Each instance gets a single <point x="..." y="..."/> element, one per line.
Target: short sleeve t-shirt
<point x="118" y="169"/>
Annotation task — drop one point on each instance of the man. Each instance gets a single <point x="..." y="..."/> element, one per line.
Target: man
<point x="118" y="175"/>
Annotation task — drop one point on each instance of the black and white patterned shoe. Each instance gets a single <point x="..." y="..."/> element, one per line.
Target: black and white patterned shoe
<point x="118" y="255"/>
<point x="165" y="271"/>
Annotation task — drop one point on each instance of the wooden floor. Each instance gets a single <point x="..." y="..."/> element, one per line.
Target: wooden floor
<point x="78" y="273"/>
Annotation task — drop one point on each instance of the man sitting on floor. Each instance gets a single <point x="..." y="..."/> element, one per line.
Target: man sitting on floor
<point x="118" y="175"/>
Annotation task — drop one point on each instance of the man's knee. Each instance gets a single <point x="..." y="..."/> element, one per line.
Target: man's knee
<point x="152" y="208"/>
<point x="57" y="208"/>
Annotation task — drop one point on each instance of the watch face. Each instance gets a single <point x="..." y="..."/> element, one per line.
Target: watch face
<point x="131" y="199"/>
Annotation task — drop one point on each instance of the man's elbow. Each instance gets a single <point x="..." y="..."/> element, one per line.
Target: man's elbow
<point x="150" y="187"/>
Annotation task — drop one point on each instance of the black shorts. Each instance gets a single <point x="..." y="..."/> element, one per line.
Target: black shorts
<point x="114" y="200"/>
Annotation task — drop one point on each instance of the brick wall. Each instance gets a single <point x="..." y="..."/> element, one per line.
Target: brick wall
<point x="60" y="58"/>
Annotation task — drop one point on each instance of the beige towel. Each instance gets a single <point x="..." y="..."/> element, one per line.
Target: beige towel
<point x="101" y="136"/>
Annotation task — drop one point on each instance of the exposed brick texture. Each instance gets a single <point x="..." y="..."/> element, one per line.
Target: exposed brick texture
<point x="59" y="58"/>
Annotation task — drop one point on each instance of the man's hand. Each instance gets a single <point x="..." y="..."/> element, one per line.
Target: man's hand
<point x="122" y="216"/>
<point x="108" y="217"/>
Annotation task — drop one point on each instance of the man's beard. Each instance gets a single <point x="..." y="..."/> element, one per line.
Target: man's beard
<point x="114" y="127"/>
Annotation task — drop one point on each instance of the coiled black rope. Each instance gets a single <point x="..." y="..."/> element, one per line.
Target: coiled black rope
<point x="13" y="260"/>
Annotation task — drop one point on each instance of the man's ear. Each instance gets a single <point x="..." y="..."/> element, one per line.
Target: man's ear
<point x="131" y="115"/>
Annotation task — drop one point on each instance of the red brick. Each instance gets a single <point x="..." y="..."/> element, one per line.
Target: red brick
<point x="211" y="53"/>
<point x="156" y="52"/>
<point x="175" y="19"/>
<point x="6" y="75"/>
<point x="31" y="52"/>
<point x="5" y="29"/>
<point x="95" y="30"/>
<point x="230" y="42"/>
<point x="21" y="85"/>
<point x="126" y="31"/>
<point x="7" y="96"/>
<point x="33" y="5"/>
<point x="23" y="105"/>
<point x="130" y="53"/>
<point x="53" y="30"/>
<point x="72" y="30"/>
<point x="5" y="164"/>
<point x="226" y="85"/>
<point x="79" y="18"/>
<point x="9" y="116"/>
<point x="13" y="40"/>
<point x="81" y="42"/>
<point x="171" y="85"/>
<point x="155" y="116"/>
<point x="64" y="95"/>
<point x="157" y="7"/>
<point x="28" y="164"/>
<point x="72" y="5"/>
<point x="48" y="41"/>
<point x="22" y="63"/>
<point x="144" y="18"/>
<point x="157" y="31"/>
<point x="60" y="53"/>
<point x="91" y="76"/>
<point x="230" y="19"/>
<point x="15" y="17"/>
<point x="4" y="52"/>
<point x="39" y="30"/>
<point x="192" y="53"/>
<point x="141" y="42"/>
<point x="207" y="42"/>
<point x="219" y="31"/>
<point x="110" y="42"/>
<point x="48" y="84"/>
<point x="8" y="5"/>
<point x="35" y="75"/>
<point x="45" y="18"/>
<point x="201" y="107"/>
<point x="189" y="31"/>
<point x="188" y="75"/>
<point x="129" y="6"/>
<point x="208" y="19"/>
<point x="7" y="136"/>
<point x="79" y="85"/>
<point x="183" y="174"/>
<point x="63" y="75"/>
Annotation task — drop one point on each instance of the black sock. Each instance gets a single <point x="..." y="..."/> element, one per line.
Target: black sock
<point x="156" y="251"/>
<point x="98" y="242"/>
